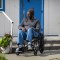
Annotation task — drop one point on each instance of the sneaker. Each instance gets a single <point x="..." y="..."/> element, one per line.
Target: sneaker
<point x="19" y="49"/>
<point x="29" y="46"/>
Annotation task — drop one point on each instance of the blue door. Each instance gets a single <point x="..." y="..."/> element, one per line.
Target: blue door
<point x="38" y="6"/>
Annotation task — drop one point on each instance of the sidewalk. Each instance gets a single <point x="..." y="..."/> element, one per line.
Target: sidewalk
<point x="47" y="55"/>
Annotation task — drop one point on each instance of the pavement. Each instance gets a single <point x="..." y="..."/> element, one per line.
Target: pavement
<point x="47" y="55"/>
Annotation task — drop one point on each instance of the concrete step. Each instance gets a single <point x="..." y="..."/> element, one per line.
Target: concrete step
<point x="50" y="42"/>
<point x="48" y="39"/>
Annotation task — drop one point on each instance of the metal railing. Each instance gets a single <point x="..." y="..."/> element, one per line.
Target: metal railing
<point x="11" y="28"/>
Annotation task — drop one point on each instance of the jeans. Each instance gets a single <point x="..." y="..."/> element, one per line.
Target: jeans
<point x="26" y="36"/>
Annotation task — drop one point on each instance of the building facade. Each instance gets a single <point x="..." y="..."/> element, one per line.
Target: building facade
<point x="51" y="17"/>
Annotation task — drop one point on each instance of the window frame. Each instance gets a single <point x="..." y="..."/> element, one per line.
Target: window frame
<point x="2" y="5"/>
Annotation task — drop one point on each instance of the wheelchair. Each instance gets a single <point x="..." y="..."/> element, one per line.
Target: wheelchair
<point x="37" y="45"/>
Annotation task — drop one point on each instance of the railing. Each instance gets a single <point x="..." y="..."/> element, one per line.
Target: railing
<point x="11" y="28"/>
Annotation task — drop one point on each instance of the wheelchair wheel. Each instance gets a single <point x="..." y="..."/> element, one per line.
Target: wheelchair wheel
<point x="35" y="52"/>
<point x="41" y="50"/>
<point x="35" y="46"/>
<point x="41" y="45"/>
<point x="17" y="53"/>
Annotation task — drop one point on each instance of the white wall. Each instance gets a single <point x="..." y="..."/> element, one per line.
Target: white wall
<point x="12" y="10"/>
<point x="52" y="17"/>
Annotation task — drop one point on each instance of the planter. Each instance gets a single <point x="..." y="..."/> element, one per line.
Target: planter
<point x="5" y="50"/>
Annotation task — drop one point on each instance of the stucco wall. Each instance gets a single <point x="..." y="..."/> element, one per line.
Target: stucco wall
<point x="12" y="10"/>
<point x="52" y="17"/>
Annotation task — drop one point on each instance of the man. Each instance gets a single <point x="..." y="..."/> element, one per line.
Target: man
<point x="29" y="28"/>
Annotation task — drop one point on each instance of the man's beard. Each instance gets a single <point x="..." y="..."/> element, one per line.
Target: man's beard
<point x="30" y="17"/>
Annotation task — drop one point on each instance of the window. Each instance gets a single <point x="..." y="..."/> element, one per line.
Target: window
<point x="2" y="5"/>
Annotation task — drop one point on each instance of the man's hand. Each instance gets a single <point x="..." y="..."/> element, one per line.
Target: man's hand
<point x="23" y="29"/>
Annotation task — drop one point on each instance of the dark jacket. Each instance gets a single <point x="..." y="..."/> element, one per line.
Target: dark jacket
<point x="34" y="24"/>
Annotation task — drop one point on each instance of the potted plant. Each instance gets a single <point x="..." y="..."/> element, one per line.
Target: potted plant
<point x="5" y="42"/>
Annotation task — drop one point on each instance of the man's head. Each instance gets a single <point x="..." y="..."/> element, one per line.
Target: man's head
<point x="30" y="13"/>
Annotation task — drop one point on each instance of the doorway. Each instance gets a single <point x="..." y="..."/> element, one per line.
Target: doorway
<point x="38" y="6"/>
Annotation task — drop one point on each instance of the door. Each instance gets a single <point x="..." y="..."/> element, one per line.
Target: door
<point x="38" y="6"/>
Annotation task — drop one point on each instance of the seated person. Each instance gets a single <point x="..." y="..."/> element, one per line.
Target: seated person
<point x="29" y="28"/>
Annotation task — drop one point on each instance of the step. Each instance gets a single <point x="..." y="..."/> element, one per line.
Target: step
<point x="50" y="42"/>
<point x="47" y="40"/>
<point x="52" y="38"/>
